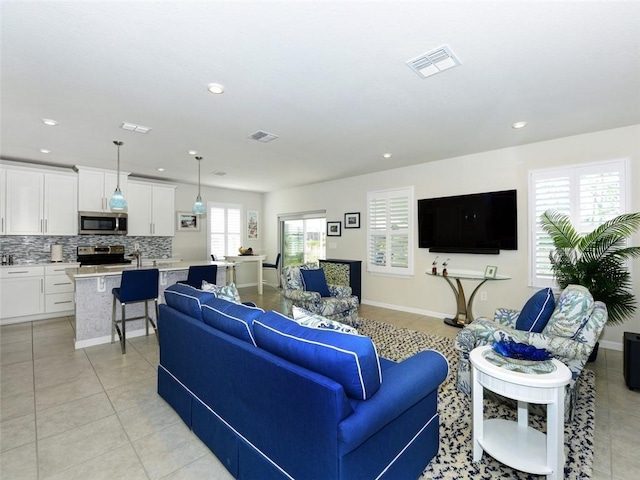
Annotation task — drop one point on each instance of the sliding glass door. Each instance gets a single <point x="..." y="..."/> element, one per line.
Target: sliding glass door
<point x="303" y="238"/>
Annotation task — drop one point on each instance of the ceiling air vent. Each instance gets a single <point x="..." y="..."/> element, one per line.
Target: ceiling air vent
<point x="263" y="137"/>
<point x="132" y="127"/>
<point x="433" y="62"/>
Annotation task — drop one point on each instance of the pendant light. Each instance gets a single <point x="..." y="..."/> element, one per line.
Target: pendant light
<point x="198" y="207"/>
<point x="117" y="203"/>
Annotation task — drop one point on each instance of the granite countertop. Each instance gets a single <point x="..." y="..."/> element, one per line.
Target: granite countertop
<point x="104" y="270"/>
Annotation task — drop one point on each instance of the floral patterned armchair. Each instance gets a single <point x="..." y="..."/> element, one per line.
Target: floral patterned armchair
<point x="341" y="306"/>
<point x="570" y="336"/>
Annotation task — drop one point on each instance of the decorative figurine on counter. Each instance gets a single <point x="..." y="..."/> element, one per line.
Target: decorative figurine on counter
<point x="434" y="265"/>
<point x="444" y="267"/>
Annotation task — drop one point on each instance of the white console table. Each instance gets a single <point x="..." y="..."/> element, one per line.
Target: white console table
<point x="516" y="444"/>
<point x="258" y="259"/>
<point x="464" y="313"/>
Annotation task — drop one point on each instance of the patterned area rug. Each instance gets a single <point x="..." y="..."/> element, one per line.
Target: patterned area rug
<point x="454" y="459"/>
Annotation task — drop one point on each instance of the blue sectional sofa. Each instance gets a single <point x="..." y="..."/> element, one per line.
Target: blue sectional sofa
<point x="273" y="399"/>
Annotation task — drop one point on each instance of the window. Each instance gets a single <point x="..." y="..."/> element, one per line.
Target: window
<point x="390" y="231"/>
<point x="590" y="194"/>
<point x="303" y="237"/>
<point x="224" y="229"/>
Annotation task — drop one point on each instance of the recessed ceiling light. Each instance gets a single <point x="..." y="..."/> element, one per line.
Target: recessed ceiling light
<point x="50" y="122"/>
<point x="160" y="169"/>
<point x="45" y="150"/>
<point x="215" y="88"/>
<point x="387" y="155"/>
<point x="519" y="125"/>
<point x="192" y="152"/>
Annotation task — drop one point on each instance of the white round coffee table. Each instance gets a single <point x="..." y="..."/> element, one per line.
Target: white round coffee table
<point x="516" y="444"/>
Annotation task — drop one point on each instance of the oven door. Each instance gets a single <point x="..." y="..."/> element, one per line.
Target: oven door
<point x="98" y="223"/>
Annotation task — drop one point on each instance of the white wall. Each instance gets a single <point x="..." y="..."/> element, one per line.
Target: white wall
<point x="495" y="170"/>
<point x="193" y="245"/>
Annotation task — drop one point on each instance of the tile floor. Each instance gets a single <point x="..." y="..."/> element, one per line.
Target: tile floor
<point x="94" y="413"/>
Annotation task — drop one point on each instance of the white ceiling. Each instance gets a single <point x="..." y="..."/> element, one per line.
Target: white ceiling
<point x="329" y="78"/>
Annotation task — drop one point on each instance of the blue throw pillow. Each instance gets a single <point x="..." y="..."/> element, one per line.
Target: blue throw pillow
<point x="315" y="281"/>
<point x="351" y="360"/>
<point x="234" y="319"/>
<point x="536" y="312"/>
<point x="187" y="299"/>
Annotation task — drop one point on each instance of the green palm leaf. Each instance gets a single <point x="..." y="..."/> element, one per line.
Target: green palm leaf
<point x="596" y="260"/>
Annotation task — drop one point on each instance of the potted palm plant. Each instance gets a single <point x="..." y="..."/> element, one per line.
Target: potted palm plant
<point x="596" y="260"/>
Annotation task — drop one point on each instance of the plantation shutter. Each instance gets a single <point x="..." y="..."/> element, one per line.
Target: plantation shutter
<point x="390" y="231"/>
<point x="224" y="229"/>
<point x="590" y="194"/>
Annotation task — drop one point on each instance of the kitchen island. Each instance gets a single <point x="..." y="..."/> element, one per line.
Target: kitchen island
<point x="94" y="300"/>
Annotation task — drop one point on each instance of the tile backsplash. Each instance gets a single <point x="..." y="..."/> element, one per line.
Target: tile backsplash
<point x="32" y="248"/>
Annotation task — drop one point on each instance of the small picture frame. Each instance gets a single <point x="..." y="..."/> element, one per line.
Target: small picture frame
<point x="352" y="220"/>
<point x="188" y="222"/>
<point x="490" y="271"/>
<point x="252" y="224"/>
<point x="334" y="229"/>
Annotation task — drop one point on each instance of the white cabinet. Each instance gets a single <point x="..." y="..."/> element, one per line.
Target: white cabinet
<point x="96" y="186"/>
<point x="21" y="291"/>
<point x="3" y="210"/>
<point x="41" y="203"/>
<point x="151" y="209"/>
<point x="59" y="289"/>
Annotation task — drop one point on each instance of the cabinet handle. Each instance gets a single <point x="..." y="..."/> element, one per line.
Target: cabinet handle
<point x="21" y="271"/>
<point x="46" y="225"/>
<point x="42" y="285"/>
<point x="58" y="303"/>
<point x="41" y="225"/>
<point x="64" y="283"/>
<point x="151" y="228"/>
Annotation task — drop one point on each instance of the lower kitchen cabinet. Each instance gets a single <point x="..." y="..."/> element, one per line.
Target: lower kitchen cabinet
<point x="35" y="292"/>
<point x="21" y="291"/>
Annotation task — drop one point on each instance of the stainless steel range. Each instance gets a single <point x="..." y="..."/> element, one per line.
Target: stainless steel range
<point x="101" y="255"/>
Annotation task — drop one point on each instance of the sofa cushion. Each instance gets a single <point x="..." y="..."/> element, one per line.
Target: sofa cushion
<point x="571" y="313"/>
<point x="350" y="360"/>
<point x="226" y="292"/>
<point x="232" y="318"/>
<point x="536" y="312"/>
<point x="315" y="281"/>
<point x="312" y="320"/>
<point x="187" y="299"/>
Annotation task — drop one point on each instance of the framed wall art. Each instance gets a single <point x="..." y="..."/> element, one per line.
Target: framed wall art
<point x="352" y="220"/>
<point x="334" y="229"/>
<point x="252" y="224"/>
<point x="188" y="221"/>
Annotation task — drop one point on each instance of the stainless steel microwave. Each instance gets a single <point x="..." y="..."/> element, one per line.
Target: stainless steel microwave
<point x="99" y="223"/>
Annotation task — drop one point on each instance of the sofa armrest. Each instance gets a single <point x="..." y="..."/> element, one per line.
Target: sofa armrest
<point x="403" y="385"/>
<point x="340" y="290"/>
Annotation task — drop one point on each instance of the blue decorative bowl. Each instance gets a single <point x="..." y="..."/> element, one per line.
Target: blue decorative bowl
<point x="521" y="351"/>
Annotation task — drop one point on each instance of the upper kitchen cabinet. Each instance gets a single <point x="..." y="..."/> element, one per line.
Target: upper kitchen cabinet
<point x="151" y="209"/>
<point x="3" y="208"/>
<point x="40" y="202"/>
<point x="96" y="186"/>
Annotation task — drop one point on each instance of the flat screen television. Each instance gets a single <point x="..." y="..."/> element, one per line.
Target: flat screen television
<point x="476" y="223"/>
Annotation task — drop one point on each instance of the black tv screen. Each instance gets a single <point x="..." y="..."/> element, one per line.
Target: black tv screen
<point x="476" y="223"/>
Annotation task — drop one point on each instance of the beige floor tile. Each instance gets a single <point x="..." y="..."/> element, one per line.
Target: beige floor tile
<point x="16" y="353"/>
<point x="74" y="447"/>
<point x="207" y="467"/>
<point x="17" y="432"/>
<point x="121" y="463"/>
<point x="16" y="379"/>
<point x="133" y="395"/>
<point x="16" y="406"/>
<point x="73" y="414"/>
<point x="80" y="387"/>
<point x="125" y="374"/>
<point x="148" y="417"/>
<point x="57" y="370"/>
<point x="10" y="335"/>
<point x="20" y="463"/>
<point x="168" y="450"/>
